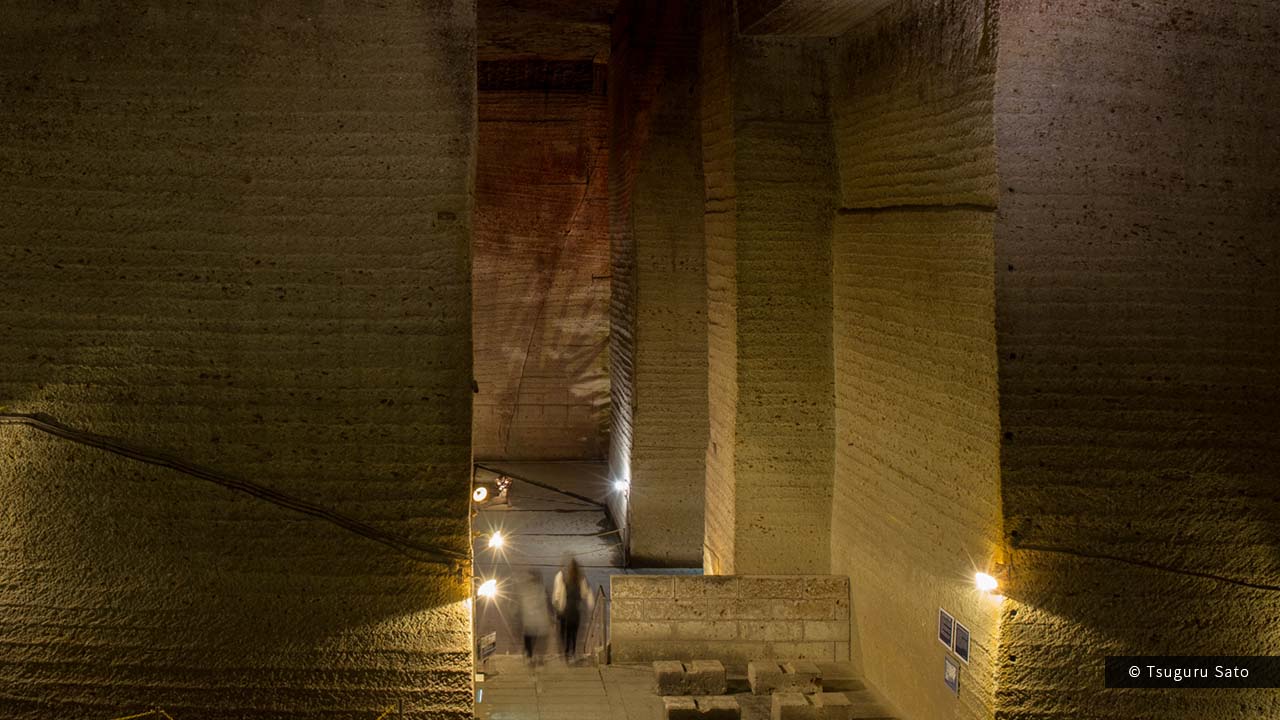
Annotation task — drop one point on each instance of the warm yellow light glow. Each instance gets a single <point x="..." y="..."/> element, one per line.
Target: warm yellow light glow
<point x="488" y="589"/>
<point x="496" y="541"/>
<point x="480" y="493"/>
<point x="621" y="485"/>
<point x="985" y="582"/>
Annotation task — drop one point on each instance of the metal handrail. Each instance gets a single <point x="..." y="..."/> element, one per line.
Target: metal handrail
<point x="598" y="629"/>
<point x="160" y="712"/>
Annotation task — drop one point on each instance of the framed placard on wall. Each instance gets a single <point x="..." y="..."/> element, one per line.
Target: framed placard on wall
<point x="962" y="642"/>
<point x="946" y="628"/>
<point x="951" y="673"/>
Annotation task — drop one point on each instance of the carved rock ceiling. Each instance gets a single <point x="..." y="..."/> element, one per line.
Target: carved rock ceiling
<point x="546" y="29"/>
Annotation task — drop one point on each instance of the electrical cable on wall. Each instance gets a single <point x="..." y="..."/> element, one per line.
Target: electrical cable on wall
<point x="405" y="546"/>
<point x="1147" y="565"/>
<point x="545" y="486"/>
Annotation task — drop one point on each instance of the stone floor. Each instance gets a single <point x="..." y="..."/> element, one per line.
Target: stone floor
<point x="512" y="690"/>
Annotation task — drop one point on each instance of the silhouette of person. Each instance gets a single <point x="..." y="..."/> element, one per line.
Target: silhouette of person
<point x="572" y="600"/>
<point x="535" y="618"/>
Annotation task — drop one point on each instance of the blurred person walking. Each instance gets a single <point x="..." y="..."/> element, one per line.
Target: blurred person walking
<point x="572" y="600"/>
<point x="535" y="618"/>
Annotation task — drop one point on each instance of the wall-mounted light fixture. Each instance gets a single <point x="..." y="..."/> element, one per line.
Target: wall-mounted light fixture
<point x="491" y="492"/>
<point x="990" y="582"/>
<point x="488" y="589"/>
<point x="497" y="540"/>
<point x="621" y="486"/>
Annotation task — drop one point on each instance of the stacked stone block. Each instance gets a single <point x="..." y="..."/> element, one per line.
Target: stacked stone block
<point x="698" y="677"/>
<point x="735" y="619"/>
<point x="817" y="706"/>
<point x="684" y="707"/>
<point x="705" y="677"/>
<point x="794" y="676"/>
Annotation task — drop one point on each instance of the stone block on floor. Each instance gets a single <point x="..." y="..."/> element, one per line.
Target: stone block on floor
<point x="866" y="704"/>
<point x="765" y="676"/>
<point x="792" y="706"/>
<point x="668" y="676"/>
<point x="719" y="707"/>
<point x="801" y="676"/>
<point x="698" y="677"/>
<point x="680" y="707"/>
<point x="833" y="706"/>
<point x="705" y="677"/>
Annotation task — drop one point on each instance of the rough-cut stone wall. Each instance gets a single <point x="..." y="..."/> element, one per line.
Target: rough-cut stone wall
<point x="660" y="309"/>
<point x="1138" y="319"/>
<point x="715" y="60"/>
<point x="543" y="29"/>
<point x="816" y="18"/>
<point x="240" y="235"/>
<point x="624" y="113"/>
<point x="769" y="192"/>
<point x="719" y="223"/>
<point x="732" y="618"/>
<point x="540" y="262"/>
<point x="916" y="505"/>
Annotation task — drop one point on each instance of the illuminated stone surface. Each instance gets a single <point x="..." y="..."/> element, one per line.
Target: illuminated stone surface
<point x="769" y="190"/>
<point x="916" y="492"/>
<point x="732" y="619"/>
<point x="658" y="353"/>
<point x="898" y="289"/>
<point x="1138" y="325"/>
<point x="239" y="236"/>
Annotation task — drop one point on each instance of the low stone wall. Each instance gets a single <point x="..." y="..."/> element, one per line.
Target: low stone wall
<point x="731" y="618"/>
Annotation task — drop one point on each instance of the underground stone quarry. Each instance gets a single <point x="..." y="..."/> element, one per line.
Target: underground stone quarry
<point x="619" y="359"/>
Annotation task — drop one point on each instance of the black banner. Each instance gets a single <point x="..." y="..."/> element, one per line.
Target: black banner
<point x="1193" y="671"/>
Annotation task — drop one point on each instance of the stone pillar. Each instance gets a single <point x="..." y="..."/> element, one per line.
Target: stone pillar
<point x="916" y="505"/>
<point x="770" y="181"/>
<point x="659" y="346"/>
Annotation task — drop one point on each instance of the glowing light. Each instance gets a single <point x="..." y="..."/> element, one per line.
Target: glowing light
<point x="496" y="541"/>
<point x="480" y="494"/>
<point x="985" y="582"/>
<point x="621" y="485"/>
<point x="488" y="589"/>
